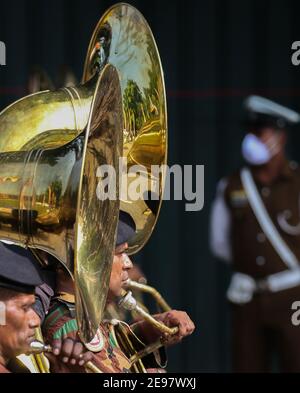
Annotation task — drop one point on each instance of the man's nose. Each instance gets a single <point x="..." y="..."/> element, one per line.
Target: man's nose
<point x="34" y="320"/>
<point x="127" y="264"/>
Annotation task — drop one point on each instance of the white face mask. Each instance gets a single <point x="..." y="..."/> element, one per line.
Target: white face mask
<point x="256" y="152"/>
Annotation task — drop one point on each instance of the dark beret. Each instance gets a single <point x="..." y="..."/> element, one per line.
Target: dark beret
<point x="19" y="270"/>
<point x="126" y="228"/>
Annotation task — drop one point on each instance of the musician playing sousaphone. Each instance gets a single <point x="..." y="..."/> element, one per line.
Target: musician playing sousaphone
<point x="60" y="323"/>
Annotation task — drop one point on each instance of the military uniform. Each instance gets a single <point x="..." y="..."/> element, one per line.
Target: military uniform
<point x="265" y="322"/>
<point x="252" y="253"/>
<point x="261" y="319"/>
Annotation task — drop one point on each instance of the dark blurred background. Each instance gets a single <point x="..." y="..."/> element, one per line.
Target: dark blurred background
<point x="214" y="54"/>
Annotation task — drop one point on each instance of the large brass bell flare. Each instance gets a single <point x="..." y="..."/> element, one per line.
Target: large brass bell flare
<point x="48" y="200"/>
<point x="124" y="39"/>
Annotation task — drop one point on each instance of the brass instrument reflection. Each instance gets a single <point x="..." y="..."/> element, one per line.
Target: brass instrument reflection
<point x="124" y="38"/>
<point x="48" y="198"/>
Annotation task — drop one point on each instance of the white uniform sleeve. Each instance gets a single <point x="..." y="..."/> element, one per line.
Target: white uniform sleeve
<point x="220" y="225"/>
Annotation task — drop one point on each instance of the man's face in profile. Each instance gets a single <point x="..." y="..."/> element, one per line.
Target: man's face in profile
<point x="120" y="268"/>
<point x="20" y="323"/>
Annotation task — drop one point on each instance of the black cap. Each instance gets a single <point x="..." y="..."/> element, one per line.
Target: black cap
<point x="19" y="270"/>
<point x="261" y="112"/>
<point x="126" y="228"/>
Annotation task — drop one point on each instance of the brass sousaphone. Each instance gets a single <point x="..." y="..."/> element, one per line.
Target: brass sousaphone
<point x="124" y="37"/>
<point x="48" y="184"/>
<point x="53" y="142"/>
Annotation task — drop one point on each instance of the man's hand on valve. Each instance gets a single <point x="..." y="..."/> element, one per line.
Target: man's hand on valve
<point x="173" y="318"/>
<point x="178" y="319"/>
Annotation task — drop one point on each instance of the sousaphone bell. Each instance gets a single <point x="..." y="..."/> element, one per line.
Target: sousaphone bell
<point x="48" y="184"/>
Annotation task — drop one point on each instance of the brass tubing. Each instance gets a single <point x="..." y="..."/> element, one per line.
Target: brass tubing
<point x="125" y="343"/>
<point x="39" y="359"/>
<point x="160" y="326"/>
<point x="38" y="347"/>
<point x="151" y="290"/>
<point x="129" y="303"/>
<point x="146" y="351"/>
